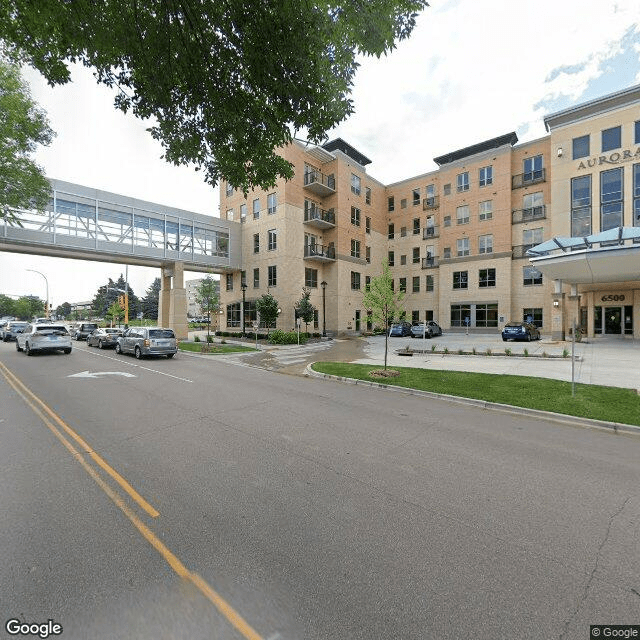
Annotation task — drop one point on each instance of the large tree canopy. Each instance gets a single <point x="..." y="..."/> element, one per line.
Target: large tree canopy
<point x="23" y="125"/>
<point x="227" y="82"/>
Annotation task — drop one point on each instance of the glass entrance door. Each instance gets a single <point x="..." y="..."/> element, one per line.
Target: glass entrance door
<point x="613" y="320"/>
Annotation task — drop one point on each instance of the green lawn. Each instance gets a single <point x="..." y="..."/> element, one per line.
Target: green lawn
<point x="591" y="401"/>
<point x="216" y="348"/>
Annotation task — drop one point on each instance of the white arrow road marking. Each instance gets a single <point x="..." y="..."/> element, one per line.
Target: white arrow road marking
<point x="97" y="374"/>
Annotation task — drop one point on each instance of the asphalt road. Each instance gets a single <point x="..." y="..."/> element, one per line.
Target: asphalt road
<point x="291" y="508"/>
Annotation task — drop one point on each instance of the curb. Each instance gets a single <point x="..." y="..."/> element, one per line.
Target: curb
<point x="551" y="416"/>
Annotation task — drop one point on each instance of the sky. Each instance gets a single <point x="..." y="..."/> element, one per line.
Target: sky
<point x="470" y="71"/>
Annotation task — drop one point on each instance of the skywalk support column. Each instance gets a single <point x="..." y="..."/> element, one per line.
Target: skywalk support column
<point x="172" y="305"/>
<point x="557" y="314"/>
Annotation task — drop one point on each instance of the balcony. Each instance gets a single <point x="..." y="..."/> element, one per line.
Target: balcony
<point x="431" y="262"/>
<point x="319" y="184"/>
<point x="432" y="202"/>
<point x="430" y="232"/>
<point x="525" y="179"/>
<point x="319" y="252"/>
<point x="526" y="215"/>
<point x="319" y="218"/>
<point x="520" y="250"/>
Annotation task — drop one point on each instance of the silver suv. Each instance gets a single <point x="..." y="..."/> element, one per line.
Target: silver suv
<point x="12" y="328"/>
<point x="148" y="341"/>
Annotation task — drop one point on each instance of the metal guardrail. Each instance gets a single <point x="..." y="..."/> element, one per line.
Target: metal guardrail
<point x="530" y="177"/>
<point x="529" y="214"/>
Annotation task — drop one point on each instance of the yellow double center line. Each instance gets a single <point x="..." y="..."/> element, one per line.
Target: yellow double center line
<point x="48" y="416"/>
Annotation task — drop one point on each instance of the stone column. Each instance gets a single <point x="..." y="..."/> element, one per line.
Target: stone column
<point x="178" y="303"/>
<point x="163" y="300"/>
<point x="557" y="312"/>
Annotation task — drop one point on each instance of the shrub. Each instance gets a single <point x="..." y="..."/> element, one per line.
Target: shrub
<point x="446" y="350"/>
<point x="433" y="348"/>
<point x="196" y="339"/>
<point x="565" y="353"/>
<point x="507" y="352"/>
<point x="526" y="353"/>
<point x="209" y="338"/>
<point x="286" y="337"/>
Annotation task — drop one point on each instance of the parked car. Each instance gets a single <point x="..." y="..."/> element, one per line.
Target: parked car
<point x="148" y="341"/>
<point x="43" y="337"/>
<point x="103" y="338"/>
<point x="400" y="329"/>
<point x="3" y="324"/>
<point x="84" y="329"/>
<point x="432" y="328"/>
<point x="520" y="331"/>
<point x="11" y="330"/>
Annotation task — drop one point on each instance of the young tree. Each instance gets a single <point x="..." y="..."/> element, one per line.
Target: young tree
<point x="208" y="300"/>
<point x="115" y="312"/>
<point x="7" y="306"/>
<point x="23" y="126"/>
<point x="304" y="309"/>
<point x="28" y="307"/>
<point x="267" y="308"/>
<point x="383" y="302"/>
<point x="64" y="310"/>
<point x="226" y="83"/>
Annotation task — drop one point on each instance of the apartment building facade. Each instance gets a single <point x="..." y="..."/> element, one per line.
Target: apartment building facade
<point x="456" y="239"/>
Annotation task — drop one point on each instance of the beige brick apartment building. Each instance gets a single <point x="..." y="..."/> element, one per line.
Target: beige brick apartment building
<point x="456" y="238"/>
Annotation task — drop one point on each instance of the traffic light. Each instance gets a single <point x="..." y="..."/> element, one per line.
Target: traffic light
<point x="121" y="301"/>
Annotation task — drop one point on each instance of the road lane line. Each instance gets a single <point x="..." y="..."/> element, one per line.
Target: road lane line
<point x="133" y="494"/>
<point x="232" y="616"/>
<point x="133" y="364"/>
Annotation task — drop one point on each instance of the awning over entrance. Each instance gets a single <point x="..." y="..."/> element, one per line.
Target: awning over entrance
<point x="610" y="256"/>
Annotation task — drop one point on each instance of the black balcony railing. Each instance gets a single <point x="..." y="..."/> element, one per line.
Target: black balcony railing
<point x="520" y="250"/>
<point x="317" y="214"/>
<point x="430" y="262"/>
<point x="530" y="177"/>
<point x="326" y="252"/>
<point x="316" y="177"/>
<point x="526" y="215"/>
<point x="430" y="232"/>
<point x="431" y="202"/>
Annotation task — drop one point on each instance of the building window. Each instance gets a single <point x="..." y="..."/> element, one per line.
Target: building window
<point x="531" y="237"/>
<point x="447" y="189"/>
<point x="533" y="315"/>
<point x="311" y="278"/>
<point x="581" y="206"/>
<point x="233" y="315"/>
<point x="581" y="147"/>
<point x="462" y="181"/>
<point x="611" y="203"/>
<point x="460" y="279"/>
<point x="355" y="280"/>
<point x="403" y="232"/>
<point x="612" y="138"/>
<point x="532" y="169"/>
<point x="367" y="195"/>
<point x="229" y="190"/>
<point x="256" y="243"/>
<point x="391" y="203"/>
<point x="355" y="184"/>
<point x="446" y="221"/>
<point x="416" y="255"/>
<point x="272" y="279"/>
<point x="485" y="210"/>
<point x="243" y="278"/>
<point x="272" y="202"/>
<point x="486" y="315"/>
<point x="416" y="226"/>
<point x="256" y="278"/>
<point x="636" y="136"/>
<point x="462" y="214"/>
<point x="446" y="253"/>
<point x="462" y="247"/>
<point x="532" y="206"/>
<point x="403" y="203"/>
<point x="229" y="280"/>
<point x="256" y="209"/>
<point x="355" y="248"/>
<point x="391" y="258"/>
<point x="416" y="197"/>
<point x="403" y="259"/>
<point x="485" y="243"/>
<point x="416" y="284"/>
<point x="486" y="176"/>
<point x="636" y="195"/>
<point x="415" y="317"/>
<point x="243" y="212"/>
<point x="272" y="244"/>
<point x="531" y="276"/>
<point x="367" y="254"/>
<point x="428" y="286"/>
<point x="355" y="216"/>
<point x="403" y="285"/>
<point x="367" y="225"/>
<point x="459" y="314"/>
<point x="229" y="214"/>
<point x="486" y="278"/>
<point x="367" y="283"/>
<point x="391" y="232"/>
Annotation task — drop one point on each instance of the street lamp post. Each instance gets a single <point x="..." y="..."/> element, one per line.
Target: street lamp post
<point x="46" y="304"/>
<point x="323" y="284"/>
<point x="243" y="286"/>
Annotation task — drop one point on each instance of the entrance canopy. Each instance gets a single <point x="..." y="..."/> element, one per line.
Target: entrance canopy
<point x="609" y="256"/>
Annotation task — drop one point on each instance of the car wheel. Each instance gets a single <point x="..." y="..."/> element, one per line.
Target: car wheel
<point x="138" y="353"/>
<point x="170" y="355"/>
<point x="504" y="339"/>
<point x="118" y="348"/>
<point x="27" y="349"/>
<point x="528" y="338"/>
<point x="67" y="350"/>
<point x="18" y="346"/>
<point x="99" y="344"/>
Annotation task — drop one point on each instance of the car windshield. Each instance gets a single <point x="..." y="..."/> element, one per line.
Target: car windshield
<point x="112" y="331"/>
<point x="514" y="324"/>
<point x="161" y="333"/>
